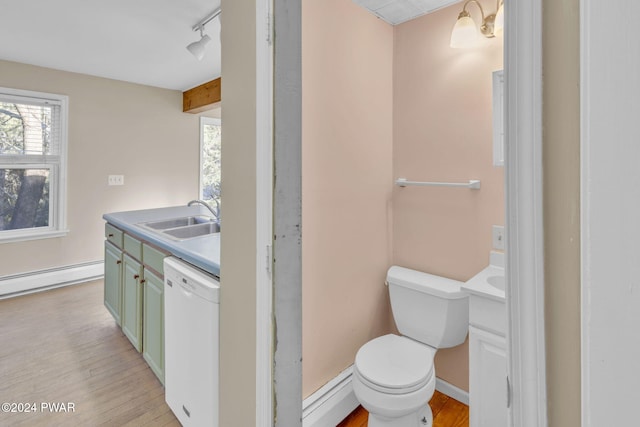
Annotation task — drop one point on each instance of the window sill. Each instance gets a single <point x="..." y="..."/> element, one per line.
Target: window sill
<point x="31" y="235"/>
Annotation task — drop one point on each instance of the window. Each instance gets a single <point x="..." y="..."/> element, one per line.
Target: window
<point x="210" y="139"/>
<point x="33" y="146"/>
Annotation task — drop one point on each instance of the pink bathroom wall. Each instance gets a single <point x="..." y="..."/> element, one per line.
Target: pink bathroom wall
<point x="346" y="184"/>
<point x="442" y="131"/>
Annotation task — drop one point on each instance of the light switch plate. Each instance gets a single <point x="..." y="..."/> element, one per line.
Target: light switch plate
<point x="497" y="237"/>
<point x="116" y="180"/>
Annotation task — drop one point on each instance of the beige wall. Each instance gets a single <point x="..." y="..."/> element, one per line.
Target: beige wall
<point x="561" y="162"/>
<point x="346" y="184"/>
<point x="114" y="128"/>
<point x="238" y="239"/>
<point x="442" y="131"/>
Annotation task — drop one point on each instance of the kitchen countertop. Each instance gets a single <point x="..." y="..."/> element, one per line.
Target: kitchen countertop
<point x="202" y="251"/>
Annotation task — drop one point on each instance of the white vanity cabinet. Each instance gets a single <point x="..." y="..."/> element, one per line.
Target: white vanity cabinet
<point x="487" y="379"/>
<point x="488" y="388"/>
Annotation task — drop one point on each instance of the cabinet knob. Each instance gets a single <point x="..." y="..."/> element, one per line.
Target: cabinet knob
<point x="118" y="262"/>
<point x="142" y="281"/>
<point x="110" y="235"/>
<point x="136" y="276"/>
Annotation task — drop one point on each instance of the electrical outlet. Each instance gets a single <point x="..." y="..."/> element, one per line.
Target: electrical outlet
<point x="497" y="237"/>
<point x="116" y="180"/>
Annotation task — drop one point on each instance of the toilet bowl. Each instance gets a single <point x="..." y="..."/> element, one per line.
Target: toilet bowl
<point x="393" y="376"/>
<point x="394" y="380"/>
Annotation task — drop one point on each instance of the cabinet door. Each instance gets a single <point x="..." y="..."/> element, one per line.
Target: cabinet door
<point x="153" y="323"/>
<point x="131" y="315"/>
<point x="112" y="280"/>
<point x="487" y="379"/>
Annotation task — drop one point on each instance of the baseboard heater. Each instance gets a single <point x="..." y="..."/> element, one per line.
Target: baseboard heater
<point x="41" y="280"/>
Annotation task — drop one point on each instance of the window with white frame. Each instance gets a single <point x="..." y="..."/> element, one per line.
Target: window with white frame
<point x="210" y="146"/>
<point x="33" y="146"/>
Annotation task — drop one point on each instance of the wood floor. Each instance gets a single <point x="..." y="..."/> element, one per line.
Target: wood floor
<point x="62" y="346"/>
<point x="447" y="412"/>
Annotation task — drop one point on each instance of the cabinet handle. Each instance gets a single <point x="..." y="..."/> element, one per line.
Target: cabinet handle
<point x="136" y="276"/>
<point x="110" y="235"/>
<point x="118" y="262"/>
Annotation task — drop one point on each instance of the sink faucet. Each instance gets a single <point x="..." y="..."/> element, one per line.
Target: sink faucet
<point x="216" y="212"/>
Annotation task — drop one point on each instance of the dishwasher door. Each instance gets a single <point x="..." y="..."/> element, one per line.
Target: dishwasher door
<point x="191" y="316"/>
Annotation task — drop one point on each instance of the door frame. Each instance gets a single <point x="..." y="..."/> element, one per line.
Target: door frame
<point x="264" y="216"/>
<point x="524" y="214"/>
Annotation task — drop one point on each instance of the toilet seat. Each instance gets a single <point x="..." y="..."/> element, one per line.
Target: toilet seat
<point x="394" y="364"/>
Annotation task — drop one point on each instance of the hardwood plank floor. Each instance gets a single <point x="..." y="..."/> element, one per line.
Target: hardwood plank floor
<point x="63" y="346"/>
<point x="447" y="412"/>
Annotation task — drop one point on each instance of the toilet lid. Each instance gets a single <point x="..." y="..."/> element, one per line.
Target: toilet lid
<point x="395" y="363"/>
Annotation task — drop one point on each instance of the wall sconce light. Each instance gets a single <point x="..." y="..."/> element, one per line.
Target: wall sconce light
<point x="197" y="48"/>
<point x="465" y="32"/>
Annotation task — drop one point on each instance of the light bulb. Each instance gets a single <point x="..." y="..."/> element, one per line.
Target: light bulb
<point x="465" y="32"/>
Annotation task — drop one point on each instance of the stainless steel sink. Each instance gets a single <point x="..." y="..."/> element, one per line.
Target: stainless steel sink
<point x="190" y="231"/>
<point x="178" y="222"/>
<point x="183" y="228"/>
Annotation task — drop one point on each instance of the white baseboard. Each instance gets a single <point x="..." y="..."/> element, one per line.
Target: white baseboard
<point x="36" y="281"/>
<point x="452" y="391"/>
<point x="331" y="403"/>
<point x="335" y="400"/>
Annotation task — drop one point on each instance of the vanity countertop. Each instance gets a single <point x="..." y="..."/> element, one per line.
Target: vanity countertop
<point x="480" y="283"/>
<point x="202" y="251"/>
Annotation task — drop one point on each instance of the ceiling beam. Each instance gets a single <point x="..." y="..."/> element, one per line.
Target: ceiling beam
<point x="202" y="98"/>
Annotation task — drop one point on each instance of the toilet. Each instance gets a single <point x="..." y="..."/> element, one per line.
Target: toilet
<point x="393" y="375"/>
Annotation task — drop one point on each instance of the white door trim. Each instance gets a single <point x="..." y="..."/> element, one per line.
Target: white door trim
<point x="525" y="251"/>
<point x="264" y="206"/>
<point x="609" y="209"/>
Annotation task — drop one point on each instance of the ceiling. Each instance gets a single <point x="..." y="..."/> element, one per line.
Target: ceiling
<point x="398" y="11"/>
<point x="139" y="41"/>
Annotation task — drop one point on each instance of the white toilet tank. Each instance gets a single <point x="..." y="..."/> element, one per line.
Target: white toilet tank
<point x="431" y="309"/>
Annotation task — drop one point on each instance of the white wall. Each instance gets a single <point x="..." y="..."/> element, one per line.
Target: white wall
<point x="610" y="212"/>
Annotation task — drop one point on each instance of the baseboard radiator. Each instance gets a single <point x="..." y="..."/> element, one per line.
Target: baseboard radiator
<point x="335" y="400"/>
<point x="41" y="280"/>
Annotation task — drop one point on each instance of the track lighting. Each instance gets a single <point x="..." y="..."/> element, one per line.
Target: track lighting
<point x="197" y="48"/>
<point x="465" y="32"/>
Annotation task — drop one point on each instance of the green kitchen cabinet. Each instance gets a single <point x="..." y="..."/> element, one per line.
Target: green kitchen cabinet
<point x="153" y="323"/>
<point x="113" y="279"/>
<point x="132" y="294"/>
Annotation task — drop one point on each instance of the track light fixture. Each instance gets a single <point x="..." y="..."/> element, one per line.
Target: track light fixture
<point x="197" y="48"/>
<point x="465" y="32"/>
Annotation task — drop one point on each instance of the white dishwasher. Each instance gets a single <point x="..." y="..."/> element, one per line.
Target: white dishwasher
<point x="191" y="316"/>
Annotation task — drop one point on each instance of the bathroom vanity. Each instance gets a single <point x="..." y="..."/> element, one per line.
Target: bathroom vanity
<point x="488" y="387"/>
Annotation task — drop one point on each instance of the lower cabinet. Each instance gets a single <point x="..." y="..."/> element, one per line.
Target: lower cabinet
<point x="153" y="323"/>
<point x="131" y="316"/>
<point x="113" y="279"/>
<point x="488" y="388"/>
<point x="134" y="293"/>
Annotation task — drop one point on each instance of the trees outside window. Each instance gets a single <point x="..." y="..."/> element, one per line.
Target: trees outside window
<point x="210" y="146"/>
<point x="32" y="164"/>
